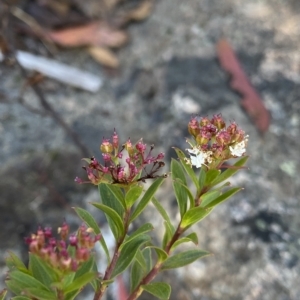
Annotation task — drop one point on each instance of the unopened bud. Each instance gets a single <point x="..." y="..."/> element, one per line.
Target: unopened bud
<point x="106" y="146"/>
<point x="218" y="121"/>
<point x="203" y="138"/>
<point x="115" y="140"/>
<point x="204" y="121"/>
<point x="223" y="138"/>
<point x="193" y="127"/>
<point x="129" y="148"/>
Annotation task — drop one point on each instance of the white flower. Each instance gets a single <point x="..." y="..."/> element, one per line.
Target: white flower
<point x="200" y="157"/>
<point x="239" y="149"/>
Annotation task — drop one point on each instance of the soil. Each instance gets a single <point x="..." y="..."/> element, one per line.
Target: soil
<point x="169" y="72"/>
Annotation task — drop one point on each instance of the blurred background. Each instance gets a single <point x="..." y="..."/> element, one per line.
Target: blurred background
<point x="144" y="67"/>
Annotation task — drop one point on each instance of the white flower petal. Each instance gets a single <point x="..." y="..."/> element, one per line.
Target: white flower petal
<point x="238" y="149"/>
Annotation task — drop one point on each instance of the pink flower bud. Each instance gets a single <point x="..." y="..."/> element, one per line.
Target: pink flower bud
<point x="115" y="140"/>
<point x="106" y="146"/>
<point x="218" y="121"/>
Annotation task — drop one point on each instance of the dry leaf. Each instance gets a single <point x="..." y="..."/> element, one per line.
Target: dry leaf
<point x="104" y="56"/>
<point x="92" y="34"/>
<point x="141" y="12"/>
<point x="251" y="100"/>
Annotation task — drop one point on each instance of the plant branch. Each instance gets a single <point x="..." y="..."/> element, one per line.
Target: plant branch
<point x="111" y="266"/>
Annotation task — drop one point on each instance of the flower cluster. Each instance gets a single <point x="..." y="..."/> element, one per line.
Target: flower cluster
<point x="213" y="142"/>
<point x="56" y="252"/>
<point x="123" y="165"/>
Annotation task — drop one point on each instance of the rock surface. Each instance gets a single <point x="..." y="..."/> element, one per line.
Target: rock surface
<point x="170" y="71"/>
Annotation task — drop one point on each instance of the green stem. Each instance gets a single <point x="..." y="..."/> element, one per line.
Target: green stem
<point x="111" y="266"/>
<point x="155" y="270"/>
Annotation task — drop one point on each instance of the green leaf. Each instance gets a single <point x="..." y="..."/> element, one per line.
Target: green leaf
<point x="189" y="238"/>
<point x="36" y="293"/>
<point x="13" y="261"/>
<point x="209" y="197"/>
<point x="3" y="294"/>
<point x="141" y="260"/>
<point x="41" y="271"/>
<point x="96" y="283"/>
<point x="163" y="212"/>
<point x="133" y="195"/>
<point x="143" y="229"/>
<point x="25" y="281"/>
<point x="14" y="287"/>
<point x="146" y="198"/>
<point x="108" y="196"/>
<point x="86" y="217"/>
<point x="211" y="175"/>
<point x="20" y="298"/>
<point x="230" y="171"/>
<point x="66" y="281"/>
<point x="193" y="216"/>
<point x="128" y="253"/>
<point x="80" y="282"/>
<point x="189" y="170"/>
<point x="178" y="179"/>
<point x="202" y="178"/>
<point x="86" y="267"/>
<point x="117" y="192"/>
<point x="148" y="258"/>
<point x="183" y="259"/>
<point x="118" y="228"/>
<point x="223" y="197"/>
<point x="161" y="254"/>
<point x="136" y="275"/>
<point x="169" y="231"/>
<point x="161" y="290"/>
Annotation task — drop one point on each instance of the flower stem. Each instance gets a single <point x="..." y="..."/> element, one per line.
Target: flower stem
<point x="111" y="266"/>
<point x="155" y="270"/>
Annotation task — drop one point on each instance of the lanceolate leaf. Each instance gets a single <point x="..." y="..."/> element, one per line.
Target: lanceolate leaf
<point x="211" y="175"/>
<point x="169" y="231"/>
<point x="136" y="275"/>
<point x="230" y="171"/>
<point x="25" y="280"/>
<point x="146" y="198"/>
<point x="85" y="268"/>
<point x="202" y="178"/>
<point x="36" y="293"/>
<point x="189" y="238"/>
<point x="179" y="180"/>
<point x="114" y="218"/>
<point x="143" y="229"/>
<point x="80" y="282"/>
<point x="183" y="259"/>
<point x="128" y="253"/>
<point x="148" y="258"/>
<point x="41" y="271"/>
<point x="132" y="195"/>
<point x="193" y="216"/>
<point x="141" y="260"/>
<point x="90" y="221"/>
<point x="209" y="197"/>
<point x="161" y="290"/>
<point x="162" y="254"/>
<point x="162" y="211"/>
<point x="223" y="197"/>
<point x="13" y="261"/>
<point x="117" y="192"/>
<point x="189" y="170"/>
<point x="108" y="197"/>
